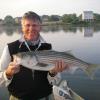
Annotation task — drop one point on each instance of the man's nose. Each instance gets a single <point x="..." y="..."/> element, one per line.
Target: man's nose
<point x="31" y="27"/>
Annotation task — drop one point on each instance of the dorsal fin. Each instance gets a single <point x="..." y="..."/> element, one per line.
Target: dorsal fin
<point x="69" y="52"/>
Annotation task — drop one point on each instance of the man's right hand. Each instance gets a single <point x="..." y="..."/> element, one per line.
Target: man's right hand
<point x="12" y="69"/>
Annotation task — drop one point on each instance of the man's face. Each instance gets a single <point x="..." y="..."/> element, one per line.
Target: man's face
<point x="31" y="29"/>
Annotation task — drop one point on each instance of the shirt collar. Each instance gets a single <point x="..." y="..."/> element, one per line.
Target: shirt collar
<point x="38" y="41"/>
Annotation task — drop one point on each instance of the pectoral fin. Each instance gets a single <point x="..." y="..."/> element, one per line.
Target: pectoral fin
<point x="43" y="66"/>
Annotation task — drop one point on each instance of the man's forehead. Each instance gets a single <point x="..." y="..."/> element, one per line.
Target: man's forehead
<point x="24" y="21"/>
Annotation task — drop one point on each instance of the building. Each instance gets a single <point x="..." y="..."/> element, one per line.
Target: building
<point x="88" y="31"/>
<point x="45" y="18"/>
<point x="18" y="20"/>
<point x="88" y="16"/>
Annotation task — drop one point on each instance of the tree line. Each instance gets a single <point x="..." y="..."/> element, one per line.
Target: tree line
<point x="64" y="19"/>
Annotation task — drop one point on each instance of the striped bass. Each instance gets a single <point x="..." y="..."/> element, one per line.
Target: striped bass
<point x="45" y="60"/>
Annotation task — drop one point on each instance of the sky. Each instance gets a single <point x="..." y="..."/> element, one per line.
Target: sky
<point x="17" y="8"/>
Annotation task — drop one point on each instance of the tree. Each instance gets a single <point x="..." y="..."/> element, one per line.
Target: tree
<point x="8" y="20"/>
<point x="54" y="18"/>
<point x="96" y="17"/>
<point x="70" y="18"/>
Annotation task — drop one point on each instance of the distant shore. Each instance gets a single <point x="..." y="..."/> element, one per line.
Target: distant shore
<point x="58" y="23"/>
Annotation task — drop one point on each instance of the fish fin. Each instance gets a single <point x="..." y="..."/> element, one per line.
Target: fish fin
<point x="69" y="51"/>
<point x="90" y="70"/>
<point x="43" y="66"/>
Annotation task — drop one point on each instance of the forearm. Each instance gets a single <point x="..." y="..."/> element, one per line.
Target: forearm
<point x="4" y="81"/>
<point x="4" y="62"/>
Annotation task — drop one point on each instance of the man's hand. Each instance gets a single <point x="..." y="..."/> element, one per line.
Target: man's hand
<point x="12" y="69"/>
<point x="59" y="67"/>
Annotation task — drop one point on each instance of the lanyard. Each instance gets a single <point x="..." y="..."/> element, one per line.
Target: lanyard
<point x="31" y="50"/>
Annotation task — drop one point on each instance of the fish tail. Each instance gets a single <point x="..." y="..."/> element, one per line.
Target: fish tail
<point x="90" y="70"/>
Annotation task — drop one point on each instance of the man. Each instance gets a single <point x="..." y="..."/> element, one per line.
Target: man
<point x="24" y="83"/>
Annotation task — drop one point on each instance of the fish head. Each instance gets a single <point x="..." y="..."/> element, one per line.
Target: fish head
<point x="25" y="59"/>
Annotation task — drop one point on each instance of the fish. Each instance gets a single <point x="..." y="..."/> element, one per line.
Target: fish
<point x="45" y="60"/>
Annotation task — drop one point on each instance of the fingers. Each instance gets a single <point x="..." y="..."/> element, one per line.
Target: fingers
<point x="12" y="69"/>
<point x="60" y="66"/>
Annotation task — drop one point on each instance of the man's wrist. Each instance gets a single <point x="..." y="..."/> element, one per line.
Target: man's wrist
<point x="52" y="74"/>
<point x="9" y="77"/>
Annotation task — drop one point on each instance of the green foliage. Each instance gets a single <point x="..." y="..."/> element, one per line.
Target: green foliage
<point x="8" y="20"/>
<point x="70" y="18"/>
<point x="96" y="17"/>
<point x="54" y="18"/>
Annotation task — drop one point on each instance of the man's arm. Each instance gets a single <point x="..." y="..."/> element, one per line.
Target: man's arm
<point x="4" y="62"/>
<point x="53" y="76"/>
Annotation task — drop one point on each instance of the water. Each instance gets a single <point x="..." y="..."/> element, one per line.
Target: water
<point x="83" y="42"/>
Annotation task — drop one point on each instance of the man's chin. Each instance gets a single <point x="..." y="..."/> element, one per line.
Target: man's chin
<point x="32" y="39"/>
